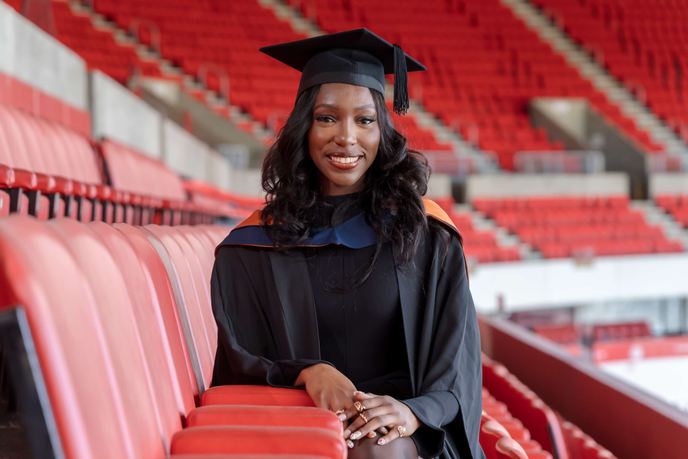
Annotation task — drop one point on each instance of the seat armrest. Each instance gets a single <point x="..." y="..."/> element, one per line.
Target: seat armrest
<point x="6" y="176"/>
<point x="103" y="192"/>
<point x="251" y="415"/>
<point x="64" y="186"/>
<point x="25" y="179"/>
<point x="255" y="395"/>
<point x="259" y="440"/>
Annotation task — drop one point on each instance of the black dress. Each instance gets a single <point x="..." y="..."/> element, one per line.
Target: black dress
<point x="361" y="332"/>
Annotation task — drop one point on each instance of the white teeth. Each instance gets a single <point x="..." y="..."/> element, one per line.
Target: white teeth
<point x="344" y="159"/>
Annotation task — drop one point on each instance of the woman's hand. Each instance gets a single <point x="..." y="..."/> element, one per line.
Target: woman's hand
<point x="381" y="412"/>
<point x="328" y="387"/>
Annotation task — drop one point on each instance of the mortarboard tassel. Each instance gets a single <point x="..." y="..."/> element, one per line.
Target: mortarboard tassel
<point x="401" y="97"/>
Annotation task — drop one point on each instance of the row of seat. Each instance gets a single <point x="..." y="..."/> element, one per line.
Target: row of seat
<point x="639" y="43"/>
<point x="480" y="246"/>
<point x="676" y="205"/>
<point x="49" y="170"/>
<point x="561" y="227"/>
<point x="571" y="334"/>
<point x="125" y="338"/>
<point x="556" y="436"/>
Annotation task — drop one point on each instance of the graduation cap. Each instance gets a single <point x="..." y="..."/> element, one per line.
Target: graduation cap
<point x="357" y="57"/>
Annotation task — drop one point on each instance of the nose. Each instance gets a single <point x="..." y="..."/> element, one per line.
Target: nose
<point x="346" y="136"/>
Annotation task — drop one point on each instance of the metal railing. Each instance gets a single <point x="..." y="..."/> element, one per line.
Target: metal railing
<point x="210" y="68"/>
<point x="662" y="162"/>
<point x="153" y="29"/>
<point x="553" y="162"/>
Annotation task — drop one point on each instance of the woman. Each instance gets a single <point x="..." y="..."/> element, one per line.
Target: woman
<point x="348" y="283"/>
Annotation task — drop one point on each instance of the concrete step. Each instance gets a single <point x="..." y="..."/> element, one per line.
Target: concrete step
<point x="654" y="215"/>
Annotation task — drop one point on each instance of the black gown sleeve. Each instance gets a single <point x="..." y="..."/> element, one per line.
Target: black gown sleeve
<point x="451" y="393"/>
<point x="246" y="351"/>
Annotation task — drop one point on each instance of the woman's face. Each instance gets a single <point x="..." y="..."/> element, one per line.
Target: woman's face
<point x="344" y="137"/>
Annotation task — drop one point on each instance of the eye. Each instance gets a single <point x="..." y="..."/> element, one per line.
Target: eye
<point x="366" y="120"/>
<point x="324" y="119"/>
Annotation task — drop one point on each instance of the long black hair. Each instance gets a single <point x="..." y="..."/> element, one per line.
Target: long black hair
<point x="392" y="196"/>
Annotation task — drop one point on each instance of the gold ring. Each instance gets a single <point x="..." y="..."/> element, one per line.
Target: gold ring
<point x="359" y="406"/>
<point x="338" y="412"/>
<point x="363" y="416"/>
<point x="401" y="430"/>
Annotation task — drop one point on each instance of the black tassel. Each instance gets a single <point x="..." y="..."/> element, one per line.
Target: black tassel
<point x="401" y="96"/>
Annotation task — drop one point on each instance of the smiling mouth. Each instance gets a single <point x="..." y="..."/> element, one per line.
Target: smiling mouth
<point x="344" y="159"/>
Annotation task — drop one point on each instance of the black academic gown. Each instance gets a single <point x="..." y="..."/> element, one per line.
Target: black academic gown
<point x="268" y="330"/>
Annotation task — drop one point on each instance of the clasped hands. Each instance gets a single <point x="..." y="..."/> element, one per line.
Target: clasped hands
<point x="368" y="414"/>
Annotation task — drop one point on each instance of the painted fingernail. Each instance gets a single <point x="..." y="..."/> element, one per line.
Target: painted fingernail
<point x="372" y="435"/>
<point x="342" y="417"/>
<point x="381" y="441"/>
<point x="357" y="392"/>
<point x="350" y="444"/>
<point x="355" y="435"/>
<point x="384" y="430"/>
<point x="347" y="433"/>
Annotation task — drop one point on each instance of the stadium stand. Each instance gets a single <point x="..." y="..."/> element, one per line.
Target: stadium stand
<point x="640" y="44"/>
<point x="480" y="245"/>
<point x="676" y="206"/>
<point x="571" y="226"/>
<point x="485" y="67"/>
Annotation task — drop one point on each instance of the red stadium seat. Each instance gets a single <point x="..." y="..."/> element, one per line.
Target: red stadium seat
<point x="113" y="374"/>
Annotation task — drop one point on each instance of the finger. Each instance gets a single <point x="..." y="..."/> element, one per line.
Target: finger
<point x="364" y="395"/>
<point x="383" y="430"/>
<point x="369" y="415"/>
<point x="375" y="424"/>
<point x="391" y="436"/>
<point x="371" y="402"/>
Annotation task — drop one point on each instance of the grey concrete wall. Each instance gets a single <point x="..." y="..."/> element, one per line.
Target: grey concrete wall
<point x="34" y="57"/>
<point x="246" y="182"/>
<point x="219" y="170"/>
<point x="668" y="184"/>
<point x="439" y="186"/>
<point x="513" y="185"/>
<point x="119" y="115"/>
<point x="184" y="153"/>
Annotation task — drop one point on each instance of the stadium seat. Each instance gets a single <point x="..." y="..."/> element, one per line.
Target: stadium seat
<point x="537" y="417"/>
<point x="578" y="227"/>
<point x="114" y="371"/>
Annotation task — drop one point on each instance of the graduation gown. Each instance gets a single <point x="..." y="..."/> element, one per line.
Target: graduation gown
<point x="264" y="306"/>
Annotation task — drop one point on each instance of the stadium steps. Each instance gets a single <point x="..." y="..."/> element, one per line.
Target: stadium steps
<point x="292" y="16"/>
<point x="504" y="239"/>
<point x="167" y="68"/>
<point x="589" y="69"/>
<point x="654" y="215"/>
<point x="422" y="117"/>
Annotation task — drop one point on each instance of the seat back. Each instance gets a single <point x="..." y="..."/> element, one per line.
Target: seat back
<point x="508" y="448"/>
<point x="38" y="272"/>
<point x="188" y="296"/>
<point x="120" y="337"/>
<point x="146" y="311"/>
<point x="135" y="172"/>
<point x="185" y="379"/>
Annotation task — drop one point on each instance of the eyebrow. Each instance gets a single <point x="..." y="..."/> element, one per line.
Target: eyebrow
<point x="334" y="107"/>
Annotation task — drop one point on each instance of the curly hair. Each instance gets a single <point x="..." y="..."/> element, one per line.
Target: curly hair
<point x="392" y="195"/>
